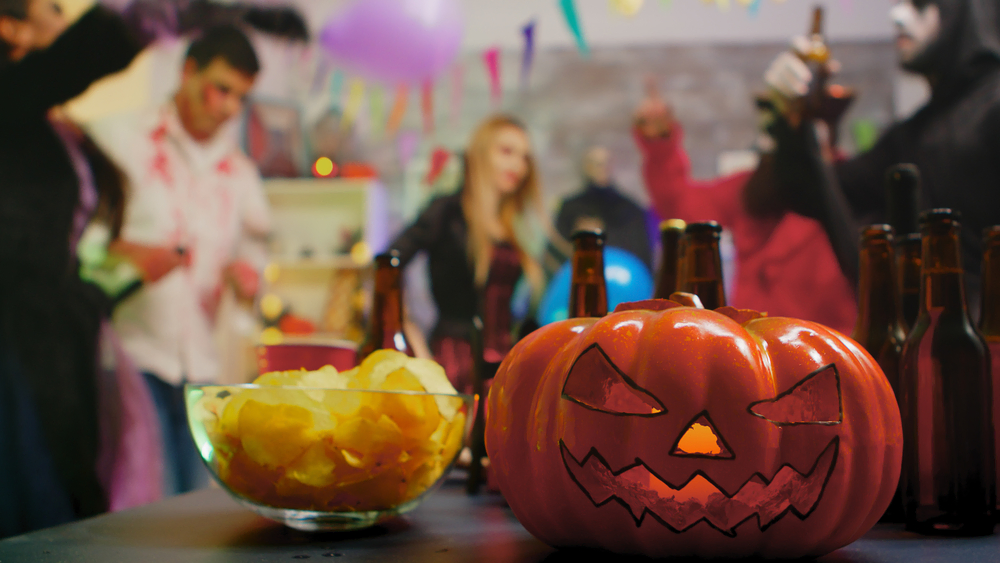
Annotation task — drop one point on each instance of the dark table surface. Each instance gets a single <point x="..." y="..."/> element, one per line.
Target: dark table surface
<point x="450" y="526"/>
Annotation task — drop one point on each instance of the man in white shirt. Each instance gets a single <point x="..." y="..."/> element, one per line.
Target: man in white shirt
<point x="195" y="222"/>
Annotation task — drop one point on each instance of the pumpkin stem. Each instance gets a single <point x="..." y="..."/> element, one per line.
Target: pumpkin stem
<point x="689" y="299"/>
<point x="742" y="316"/>
<point x="646" y="305"/>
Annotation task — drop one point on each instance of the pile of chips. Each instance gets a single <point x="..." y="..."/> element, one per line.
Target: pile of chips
<point x="328" y="441"/>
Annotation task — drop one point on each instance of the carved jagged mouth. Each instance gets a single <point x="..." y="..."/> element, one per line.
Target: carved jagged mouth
<point x="641" y="491"/>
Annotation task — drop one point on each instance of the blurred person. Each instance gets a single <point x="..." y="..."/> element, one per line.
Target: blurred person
<point x="57" y="459"/>
<point x="601" y="205"/>
<point x="199" y="216"/>
<point x="475" y="243"/>
<point x="953" y="139"/>
<point x="50" y="319"/>
<point x="784" y="260"/>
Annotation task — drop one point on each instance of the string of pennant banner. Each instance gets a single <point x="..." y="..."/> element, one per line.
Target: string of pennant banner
<point x="351" y="101"/>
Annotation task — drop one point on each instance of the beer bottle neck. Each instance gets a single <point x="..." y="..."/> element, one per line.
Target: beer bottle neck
<point x="703" y="271"/>
<point x="908" y="259"/>
<point x="941" y="272"/>
<point x="990" y="312"/>
<point x="588" y="290"/>
<point x="387" y="303"/>
<point x="878" y="310"/>
<point x="670" y="256"/>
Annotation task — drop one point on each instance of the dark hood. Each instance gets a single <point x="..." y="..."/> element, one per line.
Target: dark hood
<point x="968" y="45"/>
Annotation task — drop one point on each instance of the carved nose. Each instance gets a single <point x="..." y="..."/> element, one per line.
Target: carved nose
<point x="701" y="439"/>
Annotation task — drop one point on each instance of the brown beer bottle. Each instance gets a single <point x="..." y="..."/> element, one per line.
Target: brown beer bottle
<point x="671" y="241"/>
<point x="385" y="324"/>
<point x="702" y="271"/>
<point x="902" y="186"/>
<point x="878" y="328"/>
<point x="909" y="255"/>
<point x="989" y="320"/>
<point x="948" y="452"/>
<point x="588" y="292"/>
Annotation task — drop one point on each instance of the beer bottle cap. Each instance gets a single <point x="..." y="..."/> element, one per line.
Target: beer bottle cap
<point x="876" y="232"/>
<point x="388" y="258"/>
<point x="703" y="227"/>
<point x="941" y="214"/>
<point x="903" y="176"/>
<point x="580" y="233"/>
<point x="673" y="224"/>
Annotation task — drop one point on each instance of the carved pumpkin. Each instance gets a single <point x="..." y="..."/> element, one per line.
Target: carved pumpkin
<point x="669" y="430"/>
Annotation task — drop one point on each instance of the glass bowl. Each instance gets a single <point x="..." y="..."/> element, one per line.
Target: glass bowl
<point x="326" y="459"/>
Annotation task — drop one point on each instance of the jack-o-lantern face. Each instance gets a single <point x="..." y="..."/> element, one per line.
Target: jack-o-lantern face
<point x="596" y="383"/>
<point x="681" y="431"/>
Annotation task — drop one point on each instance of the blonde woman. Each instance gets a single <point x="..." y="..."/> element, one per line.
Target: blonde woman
<point x="476" y="247"/>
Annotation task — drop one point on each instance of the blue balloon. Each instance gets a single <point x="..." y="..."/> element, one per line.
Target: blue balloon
<point x="520" y="301"/>
<point x="627" y="279"/>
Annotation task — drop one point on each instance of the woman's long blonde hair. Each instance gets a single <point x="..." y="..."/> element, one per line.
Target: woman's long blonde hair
<point x="527" y="197"/>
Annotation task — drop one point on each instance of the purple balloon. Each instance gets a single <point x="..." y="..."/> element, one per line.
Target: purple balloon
<point x="396" y="41"/>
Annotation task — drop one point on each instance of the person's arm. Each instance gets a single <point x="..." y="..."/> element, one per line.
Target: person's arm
<point x="666" y="170"/>
<point x="813" y="188"/>
<point x="860" y="179"/>
<point x="422" y="233"/>
<point x="251" y="252"/>
<point x="672" y="191"/>
<point x="97" y="44"/>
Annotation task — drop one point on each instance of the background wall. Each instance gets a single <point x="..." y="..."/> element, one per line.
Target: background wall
<point x="497" y="22"/>
<point x="709" y="64"/>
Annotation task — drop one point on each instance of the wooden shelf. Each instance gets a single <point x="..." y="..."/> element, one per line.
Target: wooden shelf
<point x="332" y="263"/>
<point x="312" y="186"/>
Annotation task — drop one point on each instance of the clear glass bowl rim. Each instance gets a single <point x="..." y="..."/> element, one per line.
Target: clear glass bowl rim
<point x="251" y="386"/>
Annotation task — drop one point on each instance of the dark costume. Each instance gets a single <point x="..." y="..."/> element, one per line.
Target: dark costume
<point x="954" y="140"/>
<point x="49" y="318"/>
<point x="442" y="232"/>
<point x="624" y="221"/>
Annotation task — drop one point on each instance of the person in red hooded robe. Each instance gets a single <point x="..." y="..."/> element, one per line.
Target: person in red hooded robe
<point x="785" y="265"/>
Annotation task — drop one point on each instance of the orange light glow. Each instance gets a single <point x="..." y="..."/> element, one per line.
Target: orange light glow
<point x="699" y="439"/>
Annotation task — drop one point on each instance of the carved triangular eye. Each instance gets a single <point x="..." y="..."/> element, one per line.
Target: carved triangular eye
<point x="814" y="400"/>
<point x="596" y="383"/>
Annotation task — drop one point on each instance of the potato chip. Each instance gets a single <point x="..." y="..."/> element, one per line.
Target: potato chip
<point x="416" y="415"/>
<point x="374" y="444"/>
<point x="382" y="492"/>
<point x="374" y="369"/>
<point x="324" y="378"/>
<point x="274" y="435"/>
<point x="314" y="467"/>
<point x="434" y="380"/>
<point x="280" y="378"/>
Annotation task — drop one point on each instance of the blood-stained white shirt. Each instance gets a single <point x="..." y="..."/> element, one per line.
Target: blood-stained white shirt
<point x="206" y="197"/>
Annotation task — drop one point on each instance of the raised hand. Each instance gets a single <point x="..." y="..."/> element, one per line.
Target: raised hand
<point x="654" y="117"/>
